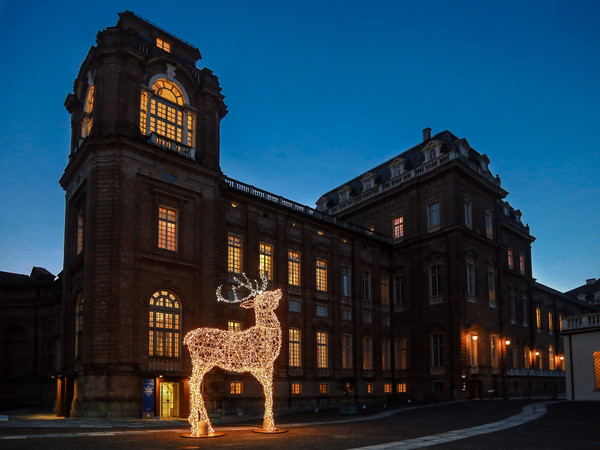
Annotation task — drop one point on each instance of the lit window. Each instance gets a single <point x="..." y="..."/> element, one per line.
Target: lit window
<point x="550" y="322"/>
<point x="472" y="348"/>
<point x="323" y="388"/>
<point x="86" y="125"/>
<point x="489" y="225"/>
<point x="163" y="112"/>
<point x="167" y="228"/>
<point x="551" y="358"/>
<point x="400" y="349"/>
<point x="322" y="357"/>
<point x="321" y="275"/>
<point x="294" y="347"/>
<point x="80" y="229"/>
<point x="293" y="268"/>
<point x="346" y="281"/>
<point x="538" y="318"/>
<point x="367" y="353"/>
<point x="366" y="286"/>
<point x="597" y="369"/>
<point x="164" y="329"/>
<point x="163" y="45"/>
<point x="78" y="326"/>
<point x="387" y="388"/>
<point x="386" y="354"/>
<point x="398" y="227"/>
<point x="266" y="260"/>
<point x="234" y="326"/>
<point x="234" y="254"/>
<point x="369" y="388"/>
<point x="527" y="357"/>
<point x="321" y="310"/>
<point x="346" y="351"/>
<point x="437" y="350"/>
<point x="433" y="217"/>
<point x="401" y="387"/>
<point x="435" y="284"/>
<point x="236" y="388"/>
<point x="385" y="289"/>
<point x="296" y="388"/>
<point x="510" y="258"/>
<point x="468" y="214"/>
<point x="522" y="263"/>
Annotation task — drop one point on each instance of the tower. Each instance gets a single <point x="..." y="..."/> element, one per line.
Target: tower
<point x="141" y="184"/>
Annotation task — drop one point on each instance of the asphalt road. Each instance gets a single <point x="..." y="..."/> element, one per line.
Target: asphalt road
<point x="566" y="425"/>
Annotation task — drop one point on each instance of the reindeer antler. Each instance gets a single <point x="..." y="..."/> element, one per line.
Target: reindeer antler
<point x="254" y="290"/>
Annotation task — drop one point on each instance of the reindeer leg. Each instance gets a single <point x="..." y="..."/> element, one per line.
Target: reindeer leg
<point x="197" y="403"/>
<point x="265" y="377"/>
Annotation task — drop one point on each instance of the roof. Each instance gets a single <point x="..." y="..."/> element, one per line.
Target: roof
<point x="38" y="277"/>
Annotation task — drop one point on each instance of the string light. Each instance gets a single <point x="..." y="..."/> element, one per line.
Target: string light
<point x="253" y="350"/>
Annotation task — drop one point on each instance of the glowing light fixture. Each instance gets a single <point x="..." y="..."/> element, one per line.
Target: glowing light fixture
<point x="253" y="350"/>
<point x="474" y="337"/>
<point x="507" y="342"/>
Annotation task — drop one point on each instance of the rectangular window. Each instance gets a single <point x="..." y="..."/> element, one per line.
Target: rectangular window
<point x="385" y="320"/>
<point x="491" y="279"/>
<point x="369" y="388"/>
<point x="538" y="318"/>
<point x="345" y="281"/>
<point x="522" y="263"/>
<point x="468" y="214"/>
<point x="401" y="388"/>
<point x="296" y="388"/>
<point x="346" y="351"/>
<point x="79" y="243"/>
<point x="167" y="228"/>
<point x="294" y="347"/>
<point x="385" y="289"/>
<point x="511" y="262"/>
<point x="513" y="307"/>
<point x="494" y="351"/>
<point x="399" y="293"/>
<point x="323" y="388"/>
<point x="386" y="355"/>
<point x="293" y="268"/>
<point x="437" y="350"/>
<point x="471" y="281"/>
<point x="435" y="284"/>
<point x="551" y="358"/>
<point x="489" y="225"/>
<point x="387" y="388"/>
<point x="366" y="286"/>
<point x="398" y="227"/>
<point x="321" y="310"/>
<point x="234" y="254"/>
<point x="527" y="357"/>
<point x="234" y="326"/>
<point x="367" y="317"/>
<point x="321" y="275"/>
<point x="294" y="305"/>
<point x="367" y="353"/>
<point x="433" y="217"/>
<point x="597" y="370"/>
<point x="322" y="357"/>
<point x="525" y="309"/>
<point x="236" y="388"/>
<point x="472" y="349"/>
<point x="400" y="349"/>
<point x="163" y="45"/>
<point x="346" y="314"/>
<point x="266" y="260"/>
<point x="550" y="322"/>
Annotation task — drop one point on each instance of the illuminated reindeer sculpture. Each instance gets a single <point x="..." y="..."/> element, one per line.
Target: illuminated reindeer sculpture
<point x="253" y="350"/>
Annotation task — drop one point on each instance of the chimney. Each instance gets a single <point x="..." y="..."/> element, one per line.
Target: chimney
<point x="590" y="281"/>
<point x="426" y="134"/>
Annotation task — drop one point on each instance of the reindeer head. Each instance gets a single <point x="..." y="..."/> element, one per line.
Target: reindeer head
<point x="258" y="297"/>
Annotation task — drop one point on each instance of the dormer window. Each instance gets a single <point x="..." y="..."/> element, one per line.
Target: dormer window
<point x="344" y="194"/>
<point x="397" y="167"/>
<point x="431" y="150"/>
<point x="163" y="45"/>
<point x="432" y="154"/>
<point x="368" y="182"/>
<point x="87" y="122"/>
<point x="322" y="204"/>
<point x="163" y="112"/>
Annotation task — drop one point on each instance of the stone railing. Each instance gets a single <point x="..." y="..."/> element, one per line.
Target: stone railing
<point x="407" y="176"/>
<point x="172" y="146"/>
<point x="243" y="187"/>
<point x="581" y="322"/>
<point x="535" y="373"/>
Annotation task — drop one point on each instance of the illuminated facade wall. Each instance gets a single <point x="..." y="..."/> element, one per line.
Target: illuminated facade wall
<point x="152" y="227"/>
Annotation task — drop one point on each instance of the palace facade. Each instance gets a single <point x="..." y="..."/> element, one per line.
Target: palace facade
<point x="411" y="281"/>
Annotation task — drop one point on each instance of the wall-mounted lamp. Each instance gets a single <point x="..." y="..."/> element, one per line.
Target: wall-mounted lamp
<point x="507" y="342"/>
<point x="474" y="337"/>
<point x="562" y="358"/>
<point x="537" y="353"/>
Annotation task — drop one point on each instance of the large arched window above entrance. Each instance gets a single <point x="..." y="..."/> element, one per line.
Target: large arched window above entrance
<point x="165" y="113"/>
<point x="164" y="325"/>
<point x="88" y="109"/>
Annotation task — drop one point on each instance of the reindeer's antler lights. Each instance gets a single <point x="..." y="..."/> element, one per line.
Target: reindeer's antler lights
<point x="253" y="350"/>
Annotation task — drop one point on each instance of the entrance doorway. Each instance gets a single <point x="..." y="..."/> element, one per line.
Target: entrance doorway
<point x="169" y="400"/>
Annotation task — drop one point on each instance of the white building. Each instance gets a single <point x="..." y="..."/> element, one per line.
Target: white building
<point x="581" y="336"/>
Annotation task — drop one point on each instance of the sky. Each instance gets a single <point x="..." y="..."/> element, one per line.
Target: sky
<point x="319" y="92"/>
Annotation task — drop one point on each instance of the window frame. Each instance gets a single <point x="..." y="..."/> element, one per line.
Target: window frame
<point x="164" y="341"/>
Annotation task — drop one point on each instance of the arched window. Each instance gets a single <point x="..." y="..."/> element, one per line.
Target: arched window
<point x="78" y="326"/>
<point x="163" y="112"/>
<point x="87" y="122"/>
<point x="164" y="325"/>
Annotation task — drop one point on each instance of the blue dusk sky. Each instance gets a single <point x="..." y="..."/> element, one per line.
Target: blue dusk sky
<point x="318" y="92"/>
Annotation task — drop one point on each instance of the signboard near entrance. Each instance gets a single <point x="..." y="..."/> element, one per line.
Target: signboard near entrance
<point x="148" y="398"/>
